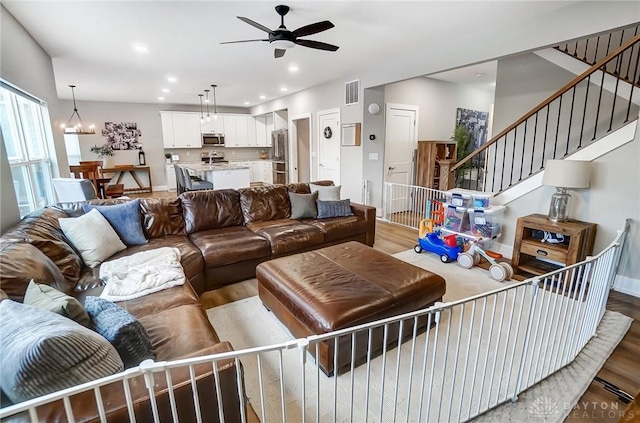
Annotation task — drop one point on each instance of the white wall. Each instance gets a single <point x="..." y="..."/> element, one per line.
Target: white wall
<point x="438" y="101"/>
<point x="323" y="97"/>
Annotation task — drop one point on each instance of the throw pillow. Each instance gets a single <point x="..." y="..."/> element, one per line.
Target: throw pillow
<point x="43" y="352"/>
<point x="48" y="298"/>
<point x="125" y="333"/>
<point x="303" y="205"/>
<point x="326" y="193"/>
<point x="339" y="208"/>
<point x="92" y="235"/>
<point x="125" y="219"/>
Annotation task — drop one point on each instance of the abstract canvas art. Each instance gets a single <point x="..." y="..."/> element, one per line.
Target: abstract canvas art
<point x="476" y="122"/>
<point x="122" y="135"/>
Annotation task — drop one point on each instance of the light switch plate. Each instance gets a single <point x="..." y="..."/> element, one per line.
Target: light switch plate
<point x="373" y="156"/>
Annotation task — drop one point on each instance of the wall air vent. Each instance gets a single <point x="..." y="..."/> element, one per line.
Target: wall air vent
<point x="352" y="92"/>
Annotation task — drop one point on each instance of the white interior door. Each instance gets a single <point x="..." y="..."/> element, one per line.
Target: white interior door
<point x="328" y="136"/>
<point x="401" y="138"/>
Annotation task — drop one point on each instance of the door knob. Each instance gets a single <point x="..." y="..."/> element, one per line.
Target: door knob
<point x="391" y="168"/>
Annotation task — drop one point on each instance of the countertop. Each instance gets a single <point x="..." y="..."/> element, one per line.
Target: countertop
<point x="214" y="167"/>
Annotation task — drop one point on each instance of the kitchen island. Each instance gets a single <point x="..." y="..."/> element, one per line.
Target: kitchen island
<point x="223" y="175"/>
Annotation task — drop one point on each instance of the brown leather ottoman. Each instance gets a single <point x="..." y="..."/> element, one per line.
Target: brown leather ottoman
<point x="342" y="286"/>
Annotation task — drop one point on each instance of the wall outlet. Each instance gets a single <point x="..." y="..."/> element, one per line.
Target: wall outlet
<point x="373" y="156"/>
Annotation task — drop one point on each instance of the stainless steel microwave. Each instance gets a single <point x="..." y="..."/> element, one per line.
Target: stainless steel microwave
<point x="213" y="139"/>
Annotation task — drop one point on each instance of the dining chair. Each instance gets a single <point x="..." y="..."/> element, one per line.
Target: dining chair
<point x="72" y="189"/>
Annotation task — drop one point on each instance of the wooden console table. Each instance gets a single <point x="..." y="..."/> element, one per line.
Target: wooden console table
<point x="532" y="256"/>
<point x="120" y="171"/>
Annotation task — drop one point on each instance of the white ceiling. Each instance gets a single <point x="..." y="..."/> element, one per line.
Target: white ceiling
<point x="481" y="76"/>
<point x="91" y="43"/>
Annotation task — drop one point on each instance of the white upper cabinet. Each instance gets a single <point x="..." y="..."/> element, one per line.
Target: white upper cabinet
<point x="242" y="134"/>
<point x="261" y="131"/>
<point x="213" y="126"/>
<point x="230" y="134"/>
<point x="251" y="132"/>
<point x="181" y="130"/>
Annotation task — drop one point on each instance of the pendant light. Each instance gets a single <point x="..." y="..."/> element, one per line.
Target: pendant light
<point x="201" y="115"/>
<point x="79" y="128"/>
<point x="215" y="103"/>
<point x="207" y="104"/>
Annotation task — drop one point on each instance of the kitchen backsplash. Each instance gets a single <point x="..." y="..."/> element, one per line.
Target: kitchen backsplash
<point x="194" y="154"/>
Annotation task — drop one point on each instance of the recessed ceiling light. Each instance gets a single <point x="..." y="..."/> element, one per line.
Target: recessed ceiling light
<point x="246" y="103"/>
<point x="160" y="98"/>
<point x="140" y="48"/>
<point x="172" y="79"/>
<point x="293" y="68"/>
<point x="284" y="89"/>
<point x="165" y="90"/>
<point x="262" y="97"/>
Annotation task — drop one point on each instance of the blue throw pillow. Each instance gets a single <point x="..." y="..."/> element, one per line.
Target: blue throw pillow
<point x="339" y="208"/>
<point x="125" y="219"/>
<point x="121" y="329"/>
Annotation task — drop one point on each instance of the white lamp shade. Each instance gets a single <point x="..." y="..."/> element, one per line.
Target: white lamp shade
<point x="566" y="173"/>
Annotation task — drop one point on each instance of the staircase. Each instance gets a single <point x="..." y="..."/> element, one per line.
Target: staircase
<point x="602" y="99"/>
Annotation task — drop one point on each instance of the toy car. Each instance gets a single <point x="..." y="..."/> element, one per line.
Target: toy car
<point x="431" y="242"/>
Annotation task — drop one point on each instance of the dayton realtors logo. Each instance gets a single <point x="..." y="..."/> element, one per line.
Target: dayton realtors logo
<point x="548" y="409"/>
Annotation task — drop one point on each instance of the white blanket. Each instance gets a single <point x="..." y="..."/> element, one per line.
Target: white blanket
<point x="141" y="274"/>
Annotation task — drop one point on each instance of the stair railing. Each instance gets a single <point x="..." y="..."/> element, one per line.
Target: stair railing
<point x="585" y="109"/>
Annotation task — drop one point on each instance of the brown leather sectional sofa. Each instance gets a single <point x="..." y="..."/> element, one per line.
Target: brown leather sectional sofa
<point x="222" y="236"/>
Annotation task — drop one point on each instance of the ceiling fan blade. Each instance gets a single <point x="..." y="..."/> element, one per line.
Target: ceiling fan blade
<point x="254" y="24"/>
<point x="313" y="28"/>
<point x="317" y="44"/>
<point x="279" y="52"/>
<point x="241" y="41"/>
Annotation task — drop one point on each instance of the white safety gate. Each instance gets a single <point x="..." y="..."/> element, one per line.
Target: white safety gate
<point x="407" y="205"/>
<point x="457" y="360"/>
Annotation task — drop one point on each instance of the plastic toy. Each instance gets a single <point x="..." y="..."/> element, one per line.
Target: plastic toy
<point x="429" y="240"/>
<point x="497" y="271"/>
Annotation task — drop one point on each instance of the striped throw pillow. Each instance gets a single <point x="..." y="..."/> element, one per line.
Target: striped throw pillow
<point x="43" y="352"/>
<point x="328" y="209"/>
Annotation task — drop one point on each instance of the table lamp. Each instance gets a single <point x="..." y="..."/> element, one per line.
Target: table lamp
<point x="564" y="174"/>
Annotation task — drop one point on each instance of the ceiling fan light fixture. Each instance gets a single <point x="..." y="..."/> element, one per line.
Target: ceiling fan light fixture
<point x="283" y="44"/>
<point x="79" y="128"/>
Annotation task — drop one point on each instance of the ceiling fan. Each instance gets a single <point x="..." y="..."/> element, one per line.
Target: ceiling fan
<point x="283" y="39"/>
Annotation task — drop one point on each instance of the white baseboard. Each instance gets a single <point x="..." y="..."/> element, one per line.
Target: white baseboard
<point x="160" y="188"/>
<point x="627" y="285"/>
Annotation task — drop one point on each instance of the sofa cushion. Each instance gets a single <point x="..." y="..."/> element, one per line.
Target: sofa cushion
<point x="230" y="245"/>
<point x="94" y="245"/>
<point x="340" y="208"/>
<point x="265" y="203"/>
<point x="125" y="220"/>
<point x="303" y="206"/>
<point x="42" y="229"/>
<point x="204" y="210"/>
<point x="43" y="352"/>
<point x="162" y="217"/>
<point x="48" y="298"/>
<point x="338" y="228"/>
<point x="121" y="329"/>
<point x="287" y="236"/>
<point x="326" y="193"/>
<point x="303" y="187"/>
<point x="190" y="259"/>
<point x="20" y="263"/>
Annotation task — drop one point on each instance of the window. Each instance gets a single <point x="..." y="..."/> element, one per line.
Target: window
<point x="24" y="121"/>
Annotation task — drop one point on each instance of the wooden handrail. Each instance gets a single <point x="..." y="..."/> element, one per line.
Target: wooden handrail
<point x="575" y="81"/>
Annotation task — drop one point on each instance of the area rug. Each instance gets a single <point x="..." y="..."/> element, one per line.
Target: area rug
<point x="247" y="323"/>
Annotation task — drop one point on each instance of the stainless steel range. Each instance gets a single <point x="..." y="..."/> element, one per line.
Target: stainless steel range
<point x="213" y="156"/>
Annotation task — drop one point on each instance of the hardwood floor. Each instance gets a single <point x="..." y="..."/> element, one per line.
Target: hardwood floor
<point x="622" y="368"/>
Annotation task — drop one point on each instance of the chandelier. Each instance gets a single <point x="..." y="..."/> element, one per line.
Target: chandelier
<point x="79" y="128"/>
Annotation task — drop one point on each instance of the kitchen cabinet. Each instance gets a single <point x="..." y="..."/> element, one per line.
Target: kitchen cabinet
<point x="264" y="126"/>
<point x="213" y="126"/>
<point x="170" y="174"/>
<point x="251" y="132"/>
<point x="180" y="130"/>
<point x="242" y="133"/>
<point x="266" y="172"/>
<point x="230" y="136"/>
